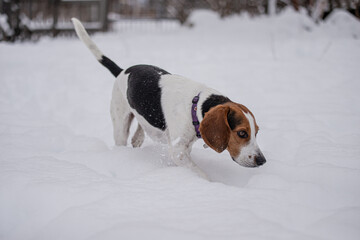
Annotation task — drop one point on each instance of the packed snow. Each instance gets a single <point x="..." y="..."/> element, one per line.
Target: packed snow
<point x="61" y="177"/>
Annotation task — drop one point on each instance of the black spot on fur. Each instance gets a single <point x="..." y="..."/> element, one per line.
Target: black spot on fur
<point x="144" y="93"/>
<point x="113" y="68"/>
<point x="233" y="120"/>
<point x="212" y="101"/>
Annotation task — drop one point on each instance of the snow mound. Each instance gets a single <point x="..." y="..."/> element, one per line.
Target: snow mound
<point x="342" y="23"/>
<point x="204" y="18"/>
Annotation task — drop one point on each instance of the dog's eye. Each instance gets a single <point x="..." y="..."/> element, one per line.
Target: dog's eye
<point x="242" y="134"/>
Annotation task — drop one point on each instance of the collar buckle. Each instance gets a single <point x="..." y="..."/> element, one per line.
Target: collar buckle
<point x="196" y="99"/>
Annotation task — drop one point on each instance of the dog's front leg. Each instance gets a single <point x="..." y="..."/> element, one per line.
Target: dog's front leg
<point x="181" y="157"/>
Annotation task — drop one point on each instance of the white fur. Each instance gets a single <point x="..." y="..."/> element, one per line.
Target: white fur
<point x="176" y="101"/>
<point x="84" y="36"/>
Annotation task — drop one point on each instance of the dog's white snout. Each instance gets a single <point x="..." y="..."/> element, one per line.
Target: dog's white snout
<point x="250" y="156"/>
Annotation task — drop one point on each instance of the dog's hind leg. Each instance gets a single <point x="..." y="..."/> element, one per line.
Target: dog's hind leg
<point x="138" y="138"/>
<point x="121" y="117"/>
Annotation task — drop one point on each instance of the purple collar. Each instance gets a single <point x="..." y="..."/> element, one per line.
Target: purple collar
<point x="195" y="119"/>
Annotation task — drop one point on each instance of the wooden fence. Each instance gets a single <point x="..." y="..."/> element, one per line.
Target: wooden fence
<point x="26" y="19"/>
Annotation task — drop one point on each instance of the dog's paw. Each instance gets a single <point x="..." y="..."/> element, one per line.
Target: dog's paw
<point x="137" y="142"/>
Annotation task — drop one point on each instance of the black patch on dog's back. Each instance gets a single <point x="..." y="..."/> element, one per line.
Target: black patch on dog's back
<point x="144" y="93"/>
<point x="212" y="101"/>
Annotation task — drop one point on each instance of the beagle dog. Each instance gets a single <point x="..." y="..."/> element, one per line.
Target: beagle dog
<point x="175" y="110"/>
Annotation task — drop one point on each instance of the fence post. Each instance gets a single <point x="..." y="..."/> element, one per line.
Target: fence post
<point x="104" y="6"/>
<point x="55" y="17"/>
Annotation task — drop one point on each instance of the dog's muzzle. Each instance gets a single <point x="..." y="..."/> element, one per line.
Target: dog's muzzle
<point x="251" y="161"/>
<point x="260" y="159"/>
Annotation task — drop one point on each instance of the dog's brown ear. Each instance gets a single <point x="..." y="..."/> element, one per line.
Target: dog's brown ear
<point x="214" y="128"/>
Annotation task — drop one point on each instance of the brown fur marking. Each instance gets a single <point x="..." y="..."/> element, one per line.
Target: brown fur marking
<point x="214" y="128"/>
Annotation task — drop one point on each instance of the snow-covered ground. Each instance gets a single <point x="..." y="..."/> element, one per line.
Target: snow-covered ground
<point x="62" y="178"/>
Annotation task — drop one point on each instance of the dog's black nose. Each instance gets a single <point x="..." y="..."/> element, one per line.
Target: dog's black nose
<point x="260" y="160"/>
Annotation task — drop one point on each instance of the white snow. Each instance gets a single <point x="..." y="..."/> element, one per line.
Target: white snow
<point x="4" y="25"/>
<point x="62" y="178"/>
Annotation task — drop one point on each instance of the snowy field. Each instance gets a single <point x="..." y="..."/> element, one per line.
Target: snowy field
<point x="61" y="177"/>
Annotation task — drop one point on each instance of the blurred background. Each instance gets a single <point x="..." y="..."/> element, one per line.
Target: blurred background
<point x="31" y="19"/>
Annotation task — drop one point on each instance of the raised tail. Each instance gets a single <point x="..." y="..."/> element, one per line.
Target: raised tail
<point x="84" y="36"/>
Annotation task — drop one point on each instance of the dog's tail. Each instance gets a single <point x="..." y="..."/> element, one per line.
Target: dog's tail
<point x="84" y="36"/>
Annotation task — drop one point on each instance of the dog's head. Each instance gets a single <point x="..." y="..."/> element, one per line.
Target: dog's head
<point x="233" y="127"/>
